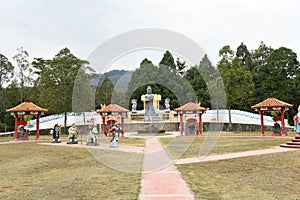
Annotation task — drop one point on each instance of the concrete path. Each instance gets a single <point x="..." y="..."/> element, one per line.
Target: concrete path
<point x="232" y="155"/>
<point x="160" y="178"/>
<point x="124" y="148"/>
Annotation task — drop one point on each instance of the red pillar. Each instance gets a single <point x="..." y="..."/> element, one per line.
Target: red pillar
<point x="103" y="125"/>
<point x="262" y="123"/>
<point x="37" y="136"/>
<point x="181" y="124"/>
<point x="200" y="124"/>
<point x="16" y="127"/>
<point x="122" y="129"/>
<point x="282" y="124"/>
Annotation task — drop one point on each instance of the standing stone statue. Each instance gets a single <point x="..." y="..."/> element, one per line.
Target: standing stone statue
<point x="167" y="104"/>
<point x="73" y="133"/>
<point x="133" y="101"/>
<point x="149" y="112"/>
<point x="92" y="135"/>
<point x="297" y="122"/>
<point x="115" y="130"/>
<point x="56" y="133"/>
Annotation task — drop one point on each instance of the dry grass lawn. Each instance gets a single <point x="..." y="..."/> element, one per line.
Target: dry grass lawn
<point x="187" y="147"/>
<point x="268" y="177"/>
<point x="33" y="171"/>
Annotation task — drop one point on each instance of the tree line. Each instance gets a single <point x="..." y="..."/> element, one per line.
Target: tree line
<point x="248" y="77"/>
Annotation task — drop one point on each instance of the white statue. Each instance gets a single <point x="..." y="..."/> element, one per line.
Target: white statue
<point x="167" y="104"/>
<point x="133" y="101"/>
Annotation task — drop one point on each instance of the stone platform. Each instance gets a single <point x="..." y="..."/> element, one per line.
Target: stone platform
<point x="295" y="143"/>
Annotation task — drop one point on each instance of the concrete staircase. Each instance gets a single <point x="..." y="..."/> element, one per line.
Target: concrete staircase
<point x="295" y="143"/>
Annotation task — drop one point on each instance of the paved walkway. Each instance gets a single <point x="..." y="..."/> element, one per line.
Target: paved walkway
<point x="232" y="155"/>
<point x="124" y="148"/>
<point x="160" y="178"/>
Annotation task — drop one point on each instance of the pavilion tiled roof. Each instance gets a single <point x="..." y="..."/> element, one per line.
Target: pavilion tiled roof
<point x="112" y="108"/>
<point x="272" y="102"/>
<point x="27" y="106"/>
<point x="190" y="106"/>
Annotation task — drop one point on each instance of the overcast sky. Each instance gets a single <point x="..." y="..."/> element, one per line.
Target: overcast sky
<point x="43" y="27"/>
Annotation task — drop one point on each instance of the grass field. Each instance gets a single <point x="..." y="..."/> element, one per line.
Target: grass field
<point x="268" y="177"/>
<point x="249" y="133"/>
<point x="33" y="171"/>
<point x="187" y="147"/>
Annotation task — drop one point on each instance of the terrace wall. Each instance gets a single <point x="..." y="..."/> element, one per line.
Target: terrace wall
<point x="174" y="126"/>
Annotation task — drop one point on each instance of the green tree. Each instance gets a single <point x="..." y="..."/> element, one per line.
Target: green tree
<point x="244" y="56"/>
<point x="25" y="72"/>
<point x="57" y="78"/>
<point x="179" y="89"/>
<point x="11" y="95"/>
<point x="145" y="74"/>
<point x="237" y="80"/>
<point x="207" y="84"/>
<point x="104" y="93"/>
<point x="83" y="95"/>
<point x="163" y="80"/>
<point x="6" y="73"/>
<point x="119" y="97"/>
<point x="246" y="60"/>
<point x="6" y="70"/>
<point x="39" y="64"/>
<point x="199" y="85"/>
<point x="282" y="66"/>
<point x="260" y="71"/>
<point x="238" y="97"/>
<point x="226" y="54"/>
<point x="168" y="62"/>
<point x="203" y="78"/>
<point x="213" y="83"/>
<point x="207" y="70"/>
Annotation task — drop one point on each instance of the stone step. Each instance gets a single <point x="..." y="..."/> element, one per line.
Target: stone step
<point x="293" y="143"/>
<point x="296" y="140"/>
<point x="297" y="137"/>
<point x="290" y="146"/>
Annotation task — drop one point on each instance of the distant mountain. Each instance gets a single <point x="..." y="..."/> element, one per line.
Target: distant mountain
<point x="120" y="78"/>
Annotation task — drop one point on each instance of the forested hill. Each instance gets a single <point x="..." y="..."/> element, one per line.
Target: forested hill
<point x="119" y="77"/>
